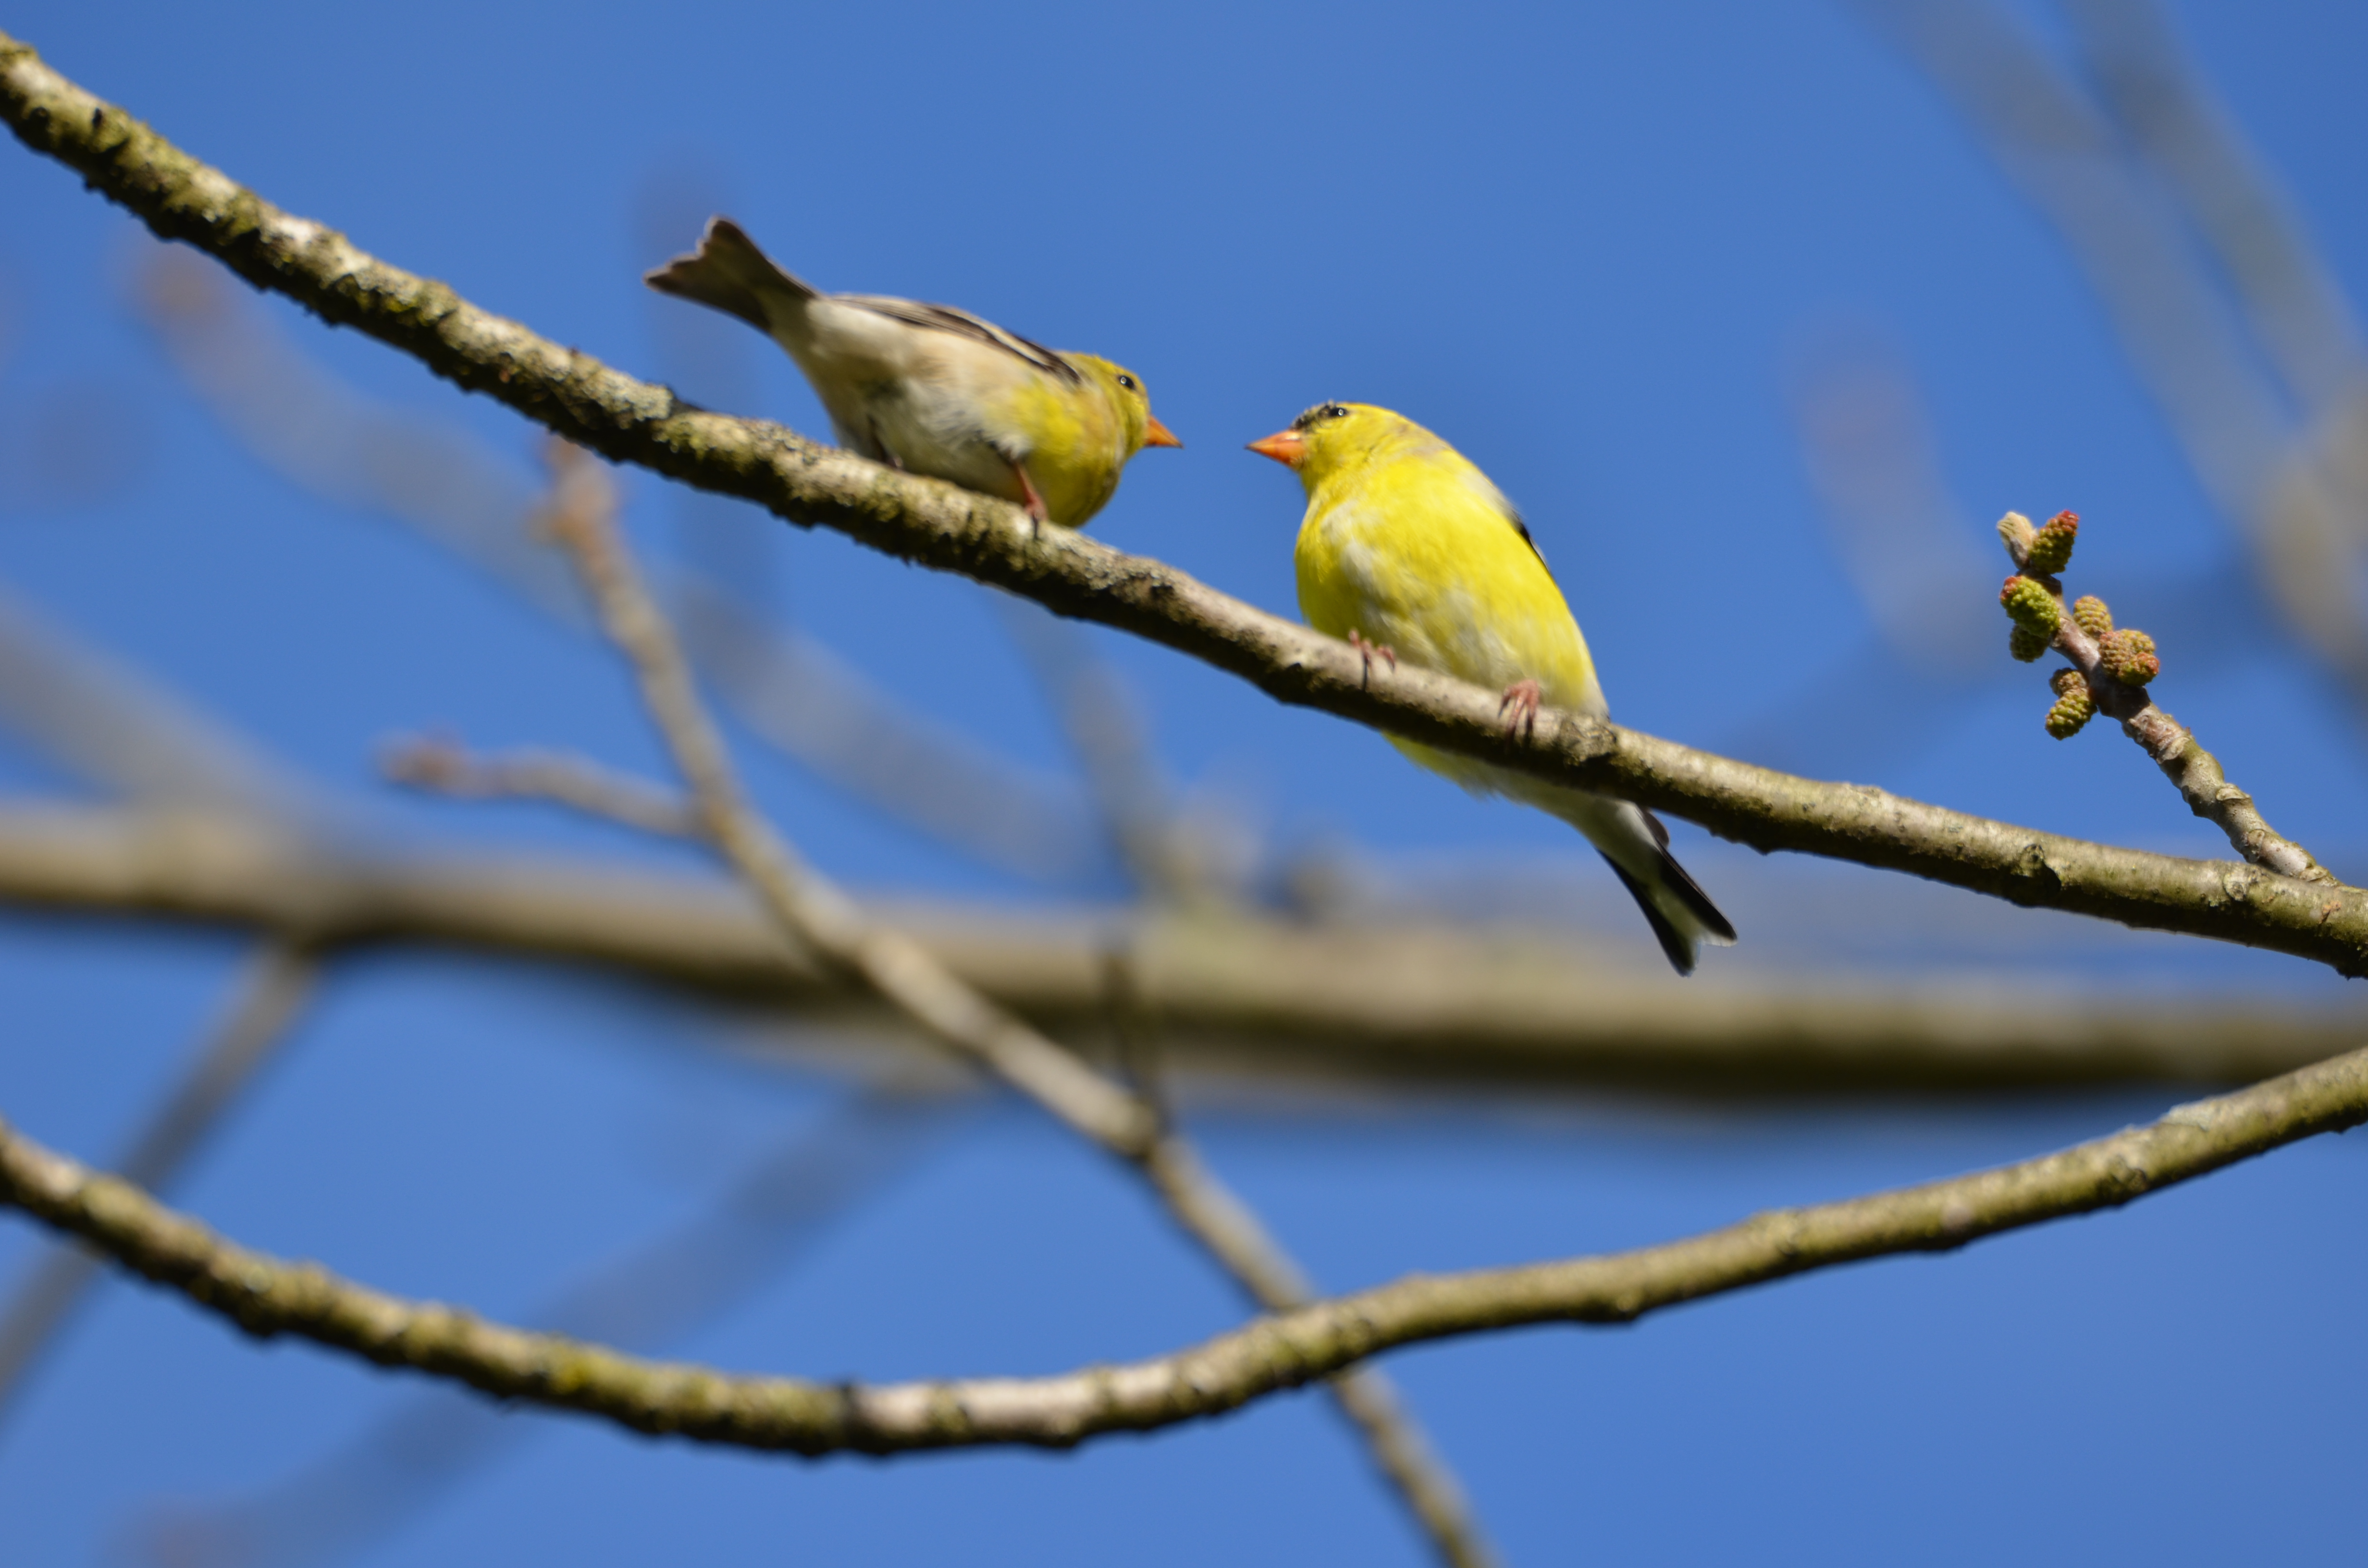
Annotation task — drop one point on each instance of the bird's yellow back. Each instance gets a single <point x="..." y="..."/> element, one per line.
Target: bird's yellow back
<point x="1408" y="544"/>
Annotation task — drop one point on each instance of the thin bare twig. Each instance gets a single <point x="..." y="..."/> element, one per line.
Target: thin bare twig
<point x="820" y="917"/>
<point x="1102" y="723"/>
<point x="266" y="1296"/>
<point x="444" y="767"/>
<point x="2290" y="299"/>
<point x="268" y="995"/>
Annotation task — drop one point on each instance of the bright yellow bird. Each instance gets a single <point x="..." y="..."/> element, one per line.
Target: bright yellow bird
<point x="1410" y="554"/>
<point x="937" y="390"/>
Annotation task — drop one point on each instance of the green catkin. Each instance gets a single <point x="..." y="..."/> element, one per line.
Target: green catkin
<point x="2051" y="547"/>
<point x="2074" y="707"/>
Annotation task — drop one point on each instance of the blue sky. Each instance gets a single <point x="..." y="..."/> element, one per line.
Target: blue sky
<point x="1592" y="246"/>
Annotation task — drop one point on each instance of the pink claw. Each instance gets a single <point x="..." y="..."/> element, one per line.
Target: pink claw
<point x="1522" y="698"/>
<point x="1370" y="651"/>
<point x="1032" y="503"/>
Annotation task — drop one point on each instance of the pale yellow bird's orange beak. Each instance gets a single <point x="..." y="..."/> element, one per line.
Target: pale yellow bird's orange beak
<point x="1288" y="447"/>
<point x="1155" y="434"/>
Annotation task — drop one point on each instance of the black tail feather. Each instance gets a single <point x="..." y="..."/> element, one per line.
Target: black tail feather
<point x="1674" y="942"/>
<point x="1689" y="892"/>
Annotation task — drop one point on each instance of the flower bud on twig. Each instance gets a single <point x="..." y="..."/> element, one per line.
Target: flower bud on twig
<point x="2074" y="707"/>
<point x="2128" y="657"/>
<point x="2090" y="614"/>
<point x="2016" y="533"/>
<point x="2051" y="547"/>
<point x="2027" y="643"/>
<point x="2031" y="605"/>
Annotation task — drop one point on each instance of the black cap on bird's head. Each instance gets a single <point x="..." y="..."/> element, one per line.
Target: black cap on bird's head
<point x="1289" y="447"/>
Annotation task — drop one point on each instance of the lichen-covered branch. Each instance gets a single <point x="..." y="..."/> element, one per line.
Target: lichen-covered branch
<point x="951" y="530"/>
<point x="2114" y="667"/>
<point x="268" y="1296"/>
<point x="816" y="915"/>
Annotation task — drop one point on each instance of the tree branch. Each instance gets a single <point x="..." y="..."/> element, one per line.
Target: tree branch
<point x="441" y="766"/>
<point x="448" y="484"/>
<point x="2072" y="153"/>
<point x="266" y="1296"/>
<point x="367" y="1487"/>
<point x="2195" y="773"/>
<point x="815" y="914"/>
<point x="949" y="529"/>
<point x="1242" y="997"/>
<point x="2289" y="296"/>
<point x="271" y="992"/>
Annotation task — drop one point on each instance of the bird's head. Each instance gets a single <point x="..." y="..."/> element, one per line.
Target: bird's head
<point x="1126" y="392"/>
<point x="1332" y="439"/>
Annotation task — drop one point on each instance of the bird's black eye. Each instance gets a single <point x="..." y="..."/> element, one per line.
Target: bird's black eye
<point x="1335" y="411"/>
<point x="1126" y="381"/>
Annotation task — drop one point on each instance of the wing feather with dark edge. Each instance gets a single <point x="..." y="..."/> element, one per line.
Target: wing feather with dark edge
<point x="961" y="323"/>
<point x="1522" y="528"/>
<point x="1512" y="514"/>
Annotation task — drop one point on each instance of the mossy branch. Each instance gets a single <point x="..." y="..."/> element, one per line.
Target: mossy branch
<point x="268" y="1296"/>
<point x="951" y="530"/>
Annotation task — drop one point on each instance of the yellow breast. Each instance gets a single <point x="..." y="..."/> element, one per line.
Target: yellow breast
<point x="1076" y="446"/>
<point x="1418" y="552"/>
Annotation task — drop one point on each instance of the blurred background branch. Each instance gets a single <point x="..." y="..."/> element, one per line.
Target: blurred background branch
<point x="1279" y="1350"/>
<point x="1359" y="1005"/>
<point x="433" y="1440"/>
<point x="2216" y="292"/>
<point x="443" y="767"/>
<point x="790" y="690"/>
<point x="807" y="908"/>
<point x="265" y="1000"/>
<point x="110" y="728"/>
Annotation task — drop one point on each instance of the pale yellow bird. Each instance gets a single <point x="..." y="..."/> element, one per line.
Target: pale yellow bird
<point x="935" y="390"/>
<point x="1411" y="554"/>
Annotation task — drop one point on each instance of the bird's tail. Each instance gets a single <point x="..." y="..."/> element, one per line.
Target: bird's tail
<point x="728" y="272"/>
<point x="1637" y="845"/>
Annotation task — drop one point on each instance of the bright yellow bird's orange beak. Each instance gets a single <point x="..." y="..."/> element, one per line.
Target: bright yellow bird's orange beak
<point x="1155" y="434"/>
<point x="1288" y="447"/>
